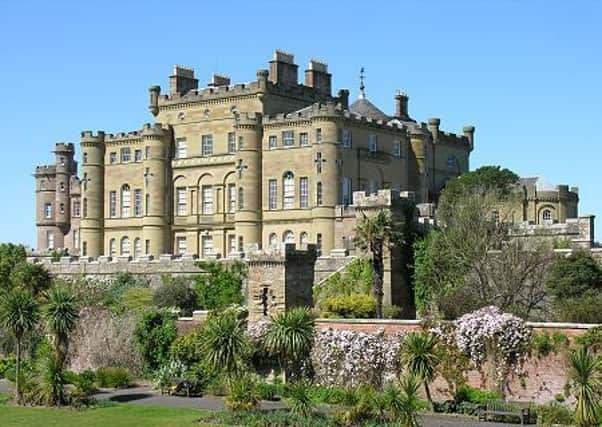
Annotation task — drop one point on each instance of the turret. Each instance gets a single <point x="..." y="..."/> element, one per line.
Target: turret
<point x="417" y="164"/>
<point x="65" y="167"/>
<point x="154" y="92"/>
<point x="433" y="125"/>
<point x="469" y="133"/>
<point x="92" y="198"/>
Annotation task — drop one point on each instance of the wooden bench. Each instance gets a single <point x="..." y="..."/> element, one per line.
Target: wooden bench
<point x="506" y="409"/>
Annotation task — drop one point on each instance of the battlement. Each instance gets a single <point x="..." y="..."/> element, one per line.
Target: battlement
<point x="181" y="71"/>
<point x="45" y="170"/>
<point x="88" y="137"/>
<point x="123" y="136"/>
<point x="62" y="147"/>
<point x="384" y="197"/>
<point x="249" y="119"/>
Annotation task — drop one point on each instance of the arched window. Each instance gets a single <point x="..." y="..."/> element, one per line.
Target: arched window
<point x="288" y="237"/>
<point x="137" y="247"/>
<point x="303" y="239"/>
<point x="125" y="246"/>
<point x="546" y="216"/>
<point x="112" y="247"/>
<point x="125" y="201"/>
<point x="273" y="241"/>
<point x="288" y="201"/>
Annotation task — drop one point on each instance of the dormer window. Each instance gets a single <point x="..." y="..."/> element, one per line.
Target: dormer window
<point x="372" y="143"/>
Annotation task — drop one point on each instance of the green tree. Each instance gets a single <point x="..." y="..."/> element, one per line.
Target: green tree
<point x="420" y="357"/>
<point x="155" y="332"/>
<point x="290" y="337"/>
<point x="376" y="233"/>
<point x="584" y="374"/>
<point x="33" y="277"/>
<point x="61" y="314"/>
<point x="176" y="292"/>
<point x="11" y="255"/>
<point x="220" y="285"/>
<point x="50" y="376"/>
<point x="19" y="313"/>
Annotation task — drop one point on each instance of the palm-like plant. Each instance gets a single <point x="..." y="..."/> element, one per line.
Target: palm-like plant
<point x="419" y="356"/>
<point x="402" y="401"/>
<point x="299" y="399"/>
<point x="225" y="344"/>
<point x="61" y="314"/>
<point x="290" y="337"/>
<point x="50" y="377"/>
<point x="584" y="374"/>
<point x="19" y="313"/>
<point x="374" y="233"/>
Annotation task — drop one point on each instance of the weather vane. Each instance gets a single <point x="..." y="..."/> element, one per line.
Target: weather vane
<point x="362" y="87"/>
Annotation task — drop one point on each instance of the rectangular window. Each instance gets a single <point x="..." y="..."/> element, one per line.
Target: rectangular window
<point x="273" y="141"/>
<point x="48" y="210"/>
<point x="147" y="247"/>
<point x="241" y="200"/>
<point x="181" y="148"/>
<point x="85" y="159"/>
<point x="181" y="201"/>
<point x="138" y="202"/>
<point x="113" y="204"/>
<point x="231" y="243"/>
<point x="207" y="200"/>
<point x="303" y="192"/>
<point x="146" y="204"/>
<point x="206" y="246"/>
<point x="288" y="138"/>
<point x="240" y="244"/>
<point x="397" y="148"/>
<point x="231" y="142"/>
<point x="147" y="152"/>
<point x="231" y="198"/>
<point x="346" y="137"/>
<point x="138" y="155"/>
<point x="303" y="138"/>
<point x="318" y="136"/>
<point x="85" y="207"/>
<point x="112" y="158"/>
<point x="181" y="245"/>
<point x="272" y="194"/>
<point x="50" y="239"/>
<point x="319" y="194"/>
<point x="288" y="200"/>
<point x="76" y="209"/>
<point x="372" y="143"/>
<point x="62" y="208"/>
<point x="126" y="155"/>
<point x="319" y="244"/>
<point x="207" y="145"/>
<point x="240" y="142"/>
<point x="346" y="190"/>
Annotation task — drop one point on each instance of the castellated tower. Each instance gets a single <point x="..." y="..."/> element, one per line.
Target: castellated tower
<point x="92" y="184"/>
<point x="57" y="201"/>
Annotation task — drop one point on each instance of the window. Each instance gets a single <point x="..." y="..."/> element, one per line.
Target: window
<point x="50" y="239"/>
<point x="319" y="194"/>
<point x="241" y="244"/>
<point x="240" y="142"/>
<point x="303" y="240"/>
<point x="112" y="158"/>
<point x="62" y="186"/>
<point x="288" y="138"/>
<point x="272" y="194"/>
<point x="273" y="241"/>
<point x="85" y="158"/>
<point x="288" y="199"/>
<point x="303" y="138"/>
<point x="346" y="190"/>
<point x="138" y="202"/>
<point x="372" y="143"/>
<point x="231" y="142"/>
<point x="319" y="244"/>
<point x="85" y="207"/>
<point x="181" y="201"/>
<point x="206" y="246"/>
<point x="112" y="247"/>
<point x="126" y="155"/>
<point x="48" y="210"/>
<point x="272" y="141"/>
<point x="113" y="204"/>
<point x="125" y="246"/>
<point x="288" y="237"/>
<point x="546" y="215"/>
<point x="241" y="200"/>
<point x="346" y="137"/>
<point x="231" y="244"/>
<point x="303" y="192"/>
<point x="318" y="136"/>
<point x="181" y="148"/>
<point x="207" y="200"/>
<point x="84" y="248"/>
<point x="125" y="201"/>
<point x="147" y="152"/>
<point x="138" y="155"/>
<point x="207" y="145"/>
<point x="76" y="209"/>
<point x="397" y="148"/>
<point x="147" y="247"/>
<point x="147" y="204"/>
<point x="62" y="161"/>
<point x="231" y="198"/>
<point x="452" y="163"/>
<point x="137" y="247"/>
<point x="62" y="208"/>
<point x="181" y="245"/>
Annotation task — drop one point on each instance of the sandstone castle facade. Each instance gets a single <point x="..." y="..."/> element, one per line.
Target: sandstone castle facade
<point x="230" y="168"/>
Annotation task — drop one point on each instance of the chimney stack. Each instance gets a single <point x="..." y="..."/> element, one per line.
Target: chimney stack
<point x="219" y="80"/>
<point x="283" y="69"/>
<point x="401" y="105"/>
<point x="182" y="80"/>
<point x="317" y="77"/>
<point x="344" y="98"/>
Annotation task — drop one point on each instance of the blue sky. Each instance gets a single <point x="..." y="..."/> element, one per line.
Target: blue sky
<point x="527" y="74"/>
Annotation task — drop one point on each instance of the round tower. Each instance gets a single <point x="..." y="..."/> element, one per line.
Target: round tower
<point x="248" y="181"/>
<point x="157" y="191"/>
<point x="92" y="197"/>
<point x="418" y="167"/>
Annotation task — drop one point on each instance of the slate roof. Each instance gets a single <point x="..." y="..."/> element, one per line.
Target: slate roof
<point x="365" y="108"/>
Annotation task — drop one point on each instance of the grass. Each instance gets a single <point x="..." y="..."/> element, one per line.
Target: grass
<point x="118" y="415"/>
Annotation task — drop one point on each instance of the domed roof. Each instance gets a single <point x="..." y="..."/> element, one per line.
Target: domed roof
<point x="365" y="108"/>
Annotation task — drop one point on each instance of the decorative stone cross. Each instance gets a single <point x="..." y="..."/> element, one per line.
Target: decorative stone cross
<point x="85" y="181"/>
<point x="318" y="161"/>
<point x="241" y="168"/>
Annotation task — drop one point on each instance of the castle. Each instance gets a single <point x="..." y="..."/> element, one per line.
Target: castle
<point x="229" y="169"/>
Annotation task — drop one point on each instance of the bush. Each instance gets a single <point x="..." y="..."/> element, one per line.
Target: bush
<point x="542" y="344"/>
<point x="354" y="306"/>
<point x="137" y="298"/>
<point x="392" y="312"/>
<point x="592" y="339"/>
<point x="299" y="399"/>
<point x="554" y="413"/>
<point x="357" y="278"/>
<point x="221" y="284"/>
<point x="6" y="365"/>
<point x="186" y="349"/>
<point x="268" y="391"/>
<point x="113" y="378"/>
<point x="470" y="394"/>
<point x="242" y="395"/>
<point x="176" y="292"/>
<point x="155" y="332"/>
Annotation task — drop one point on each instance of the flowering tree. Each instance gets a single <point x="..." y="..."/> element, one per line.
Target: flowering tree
<point x="494" y="340"/>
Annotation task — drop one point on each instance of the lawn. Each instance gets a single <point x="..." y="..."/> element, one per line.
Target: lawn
<point x="118" y="415"/>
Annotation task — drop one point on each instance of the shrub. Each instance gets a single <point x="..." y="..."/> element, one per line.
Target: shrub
<point x="186" y="349"/>
<point x="137" y="298"/>
<point x="113" y="378"/>
<point x="221" y="284"/>
<point x="168" y="375"/>
<point x="176" y="292"/>
<point x="470" y="394"/>
<point x="554" y="413"/>
<point x="350" y="306"/>
<point x="155" y="332"/>
<point x="7" y="364"/>
<point x="242" y="395"/>
<point x="357" y="278"/>
<point x="592" y="339"/>
<point x="299" y="399"/>
<point x="268" y="391"/>
<point x="392" y="312"/>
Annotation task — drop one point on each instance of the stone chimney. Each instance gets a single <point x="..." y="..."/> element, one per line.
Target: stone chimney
<point x="344" y="98"/>
<point x="182" y="80"/>
<point x="317" y="76"/>
<point x="401" y="105"/>
<point x="219" y="80"/>
<point x="283" y="70"/>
